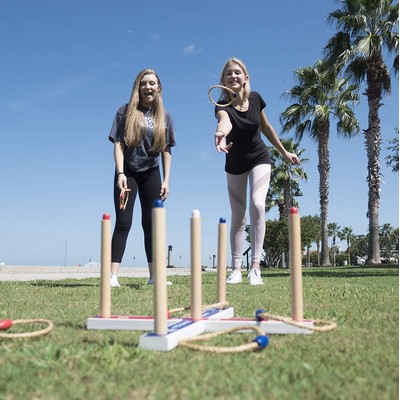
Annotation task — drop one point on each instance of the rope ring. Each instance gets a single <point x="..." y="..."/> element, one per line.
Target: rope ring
<point x="224" y="88"/>
<point x="258" y="343"/>
<point x="123" y="198"/>
<point x="296" y="171"/>
<point x="223" y="304"/>
<point x="324" y="325"/>
<point x="9" y="323"/>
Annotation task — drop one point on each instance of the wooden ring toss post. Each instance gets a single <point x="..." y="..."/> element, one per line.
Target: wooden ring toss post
<point x="159" y="245"/>
<point x="105" y="290"/>
<point x="221" y="261"/>
<point x="295" y="261"/>
<point x="224" y="88"/>
<point x="195" y="247"/>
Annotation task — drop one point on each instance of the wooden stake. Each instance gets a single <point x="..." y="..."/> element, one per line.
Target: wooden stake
<point x="159" y="245"/>
<point x="105" y="285"/>
<point x="195" y="236"/>
<point x="221" y="273"/>
<point x="295" y="261"/>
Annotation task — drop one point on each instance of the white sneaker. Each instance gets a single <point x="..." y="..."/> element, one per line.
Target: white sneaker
<point x="114" y="280"/>
<point x="151" y="282"/>
<point x="234" y="277"/>
<point x="255" y="277"/>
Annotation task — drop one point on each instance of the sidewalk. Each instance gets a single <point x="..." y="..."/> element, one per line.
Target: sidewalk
<point x="32" y="273"/>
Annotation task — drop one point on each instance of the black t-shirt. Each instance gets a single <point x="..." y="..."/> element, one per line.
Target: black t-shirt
<point x="248" y="149"/>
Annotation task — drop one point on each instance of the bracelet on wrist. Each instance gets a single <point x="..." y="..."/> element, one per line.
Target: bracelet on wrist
<point x="120" y="173"/>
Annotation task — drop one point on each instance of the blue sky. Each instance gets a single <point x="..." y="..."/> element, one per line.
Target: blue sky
<point x="68" y="65"/>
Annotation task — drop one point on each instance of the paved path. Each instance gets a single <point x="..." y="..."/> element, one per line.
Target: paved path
<point x="32" y="273"/>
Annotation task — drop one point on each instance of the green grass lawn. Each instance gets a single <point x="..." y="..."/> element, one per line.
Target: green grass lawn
<point x="358" y="360"/>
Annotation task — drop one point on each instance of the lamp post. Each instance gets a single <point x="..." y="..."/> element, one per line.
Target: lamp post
<point x="297" y="193"/>
<point x="65" y="253"/>
<point x="169" y="263"/>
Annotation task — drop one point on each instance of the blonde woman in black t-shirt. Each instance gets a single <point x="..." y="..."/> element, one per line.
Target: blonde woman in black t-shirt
<point x="142" y="133"/>
<point x="238" y="135"/>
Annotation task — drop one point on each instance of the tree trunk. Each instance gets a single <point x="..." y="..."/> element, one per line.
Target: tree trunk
<point x="348" y="252"/>
<point x="323" y="169"/>
<point x="318" y="254"/>
<point x="373" y="144"/>
<point x="287" y="198"/>
<point x="334" y="250"/>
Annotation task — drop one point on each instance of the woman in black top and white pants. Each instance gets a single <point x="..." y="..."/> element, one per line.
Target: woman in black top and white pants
<point x="238" y="135"/>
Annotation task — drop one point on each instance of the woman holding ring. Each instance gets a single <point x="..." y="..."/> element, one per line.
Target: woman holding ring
<point x="142" y="134"/>
<point x="238" y="135"/>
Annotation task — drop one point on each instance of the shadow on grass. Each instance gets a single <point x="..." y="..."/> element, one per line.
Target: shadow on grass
<point x="63" y="284"/>
<point x="136" y="286"/>
<point x="112" y="341"/>
<point x="342" y="272"/>
<point x="76" y="284"/>
<point x="68" y="324"/>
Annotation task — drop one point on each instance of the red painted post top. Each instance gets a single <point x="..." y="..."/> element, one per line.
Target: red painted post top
<point x="106" y="216"/>
<point x="294" y="210"/>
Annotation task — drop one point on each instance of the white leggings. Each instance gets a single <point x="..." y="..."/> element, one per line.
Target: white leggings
<point x="259" y="178"/>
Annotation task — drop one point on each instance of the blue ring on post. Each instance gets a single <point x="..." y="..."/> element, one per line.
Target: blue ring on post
<point x="258" y="315"/>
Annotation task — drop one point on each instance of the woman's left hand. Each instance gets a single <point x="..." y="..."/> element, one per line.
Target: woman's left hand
<point x="164" y="192"/>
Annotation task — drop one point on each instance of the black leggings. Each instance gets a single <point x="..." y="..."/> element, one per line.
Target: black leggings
<point x="148" y="185"/>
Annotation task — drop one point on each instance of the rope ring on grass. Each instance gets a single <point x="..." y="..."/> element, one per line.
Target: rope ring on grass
<point x="258" y="343"/>
<point x="323" y="325"/>
<point x="5" y="324"/>
<point x="224" y="88"/>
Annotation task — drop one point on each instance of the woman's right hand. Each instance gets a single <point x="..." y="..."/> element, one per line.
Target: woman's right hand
<point x="122" y="182"/>
<point x="220" y="143"/>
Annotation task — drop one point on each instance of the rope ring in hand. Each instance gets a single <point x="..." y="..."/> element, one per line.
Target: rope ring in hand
<point x="224" y="88"/>
<point x="123" y="198"/>
<point x="296" y="171"/>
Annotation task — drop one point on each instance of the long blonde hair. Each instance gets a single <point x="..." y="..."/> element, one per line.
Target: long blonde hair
<point x="225" y="96"/>
<point x="135" y="124"/>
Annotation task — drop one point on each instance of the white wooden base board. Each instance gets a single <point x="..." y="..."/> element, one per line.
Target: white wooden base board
<point x="144" y="323"/>
<point x="184" y="328"/>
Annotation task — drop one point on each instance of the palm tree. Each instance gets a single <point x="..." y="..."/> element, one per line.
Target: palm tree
<point x="395" y="242"/>
<point x="318" y="243"/>
<point x="310" y="232"/>
<point x="333" y="230"/>
<point x="319" y="96"/>
<point x="386" y="234"/>
<point x="392" y="160"/>
<point x="366" y="29"/>
<point x="347" y="234"/>
<point x="281" y="188"/>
